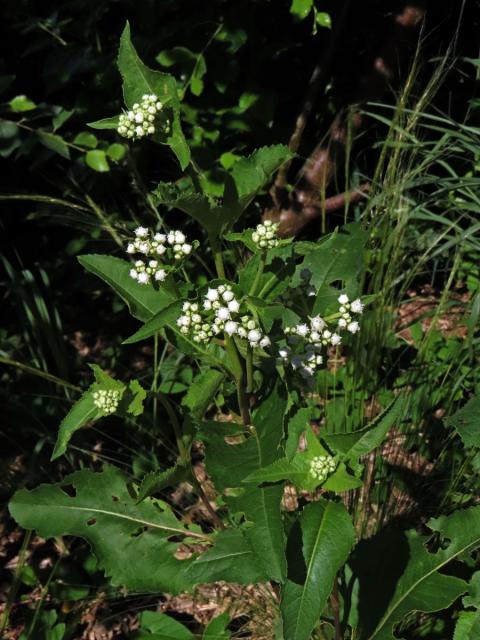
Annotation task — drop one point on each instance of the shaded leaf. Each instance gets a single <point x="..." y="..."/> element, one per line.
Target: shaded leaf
<point x="142" y="300"/>
<point x="328" y="536"/>
<point x="167" y="316"/>
<point x="103" y="512"/>
<point x="217" y="628"/>
<point x="97" y="160"/>
<point x="159" y="626"/>
<point x="156" y="481"/>
<point x="21" y="104"/>
<point x="54" y="143"/>
<point x="466" y="422"/>
<point x="202" y="391"/>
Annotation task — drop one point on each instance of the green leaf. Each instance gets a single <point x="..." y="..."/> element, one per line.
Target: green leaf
<point x="142" y="300"/>
<point x="86" y="139"/>
<point x="156" y="481"/>
<point x="135" y="398"/>
<point x="116" y="151"/>
<point x="159" y="626"/>
<point x="97" y="160"/>
<point x="217" y="628"/>
<point x="61" y="117"/>
<point x="323" y="19"/>
<point x="229" y="464"/>
<point x="102" y="512"/>
<point x="354" y="445"/>
<point x="232" y="559"/>
<point x="138" y="80"/>
<point x="297" y="424"/>
<point x="82" y="412"/>
<point x="21" y="104"/>
<point x="248" y="176"/>
<point x="277" y="273"/>
<point x="105" y="123"/>
<point x="167" y="316"/>
<point x="466" y="422"/>
<point x="202" y="391"/>
<point x="468" y="626"/>
<point x="328" y="536"/>
<point x="54" y="143"/>
<point x="339" y="256"/>
<point x="301" y="8"/>
<point x="394" y="584"/>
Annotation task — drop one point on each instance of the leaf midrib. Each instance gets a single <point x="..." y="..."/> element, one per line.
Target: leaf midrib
<point x="389" y="612"/>
<point x="115" y="514"/>
<point x="310" y="565"/>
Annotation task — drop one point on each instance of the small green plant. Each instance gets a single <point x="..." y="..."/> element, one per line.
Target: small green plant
<point x="264" y="330"/>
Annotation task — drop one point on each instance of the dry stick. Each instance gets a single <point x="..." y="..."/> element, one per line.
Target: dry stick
<point x="203" y="496"/>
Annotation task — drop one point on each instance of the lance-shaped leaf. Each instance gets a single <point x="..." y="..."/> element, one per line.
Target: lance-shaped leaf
<point x="85" y="410"/>
<point x="228" y="464"/>
<point x="466" y="422"/>
<point x="125" y="536"/>
<point x="353" y="446"/>
<point x="166" y="317"/>
<point x="144" y="301"/>
<point x="158" y="626"/>
<point x="156" y="481"/>
<point x="202" y="391"/>
<point x="328" y="536"/>
<point x="138" y="80"/>
<point x="397" y="575"/>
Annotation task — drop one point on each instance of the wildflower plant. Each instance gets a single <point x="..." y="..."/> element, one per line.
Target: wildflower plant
<point x="266" y="322"/>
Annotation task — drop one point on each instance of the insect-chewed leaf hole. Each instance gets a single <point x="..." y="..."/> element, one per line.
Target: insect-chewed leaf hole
<point x="91" y="522"/>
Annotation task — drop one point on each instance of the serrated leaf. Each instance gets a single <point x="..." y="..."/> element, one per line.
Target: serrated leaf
<point x="277" y="273"/>
<point x="138" y="79"/>
<point x="54" y="143"/>
<point x="353" y="446"/>
<point x="232" y="559"/>
<point x="392" y="585"/>
<point x="217" y="628"/>
<point x="328" y="536"/>
<point x="97" y="160"/>
<point x="339" y="256"/>
<point x="202" y="391"/>
<point x="248" y="176"/>
<point x="156" y="481"/>
<point x="466" y="422"/>
<point x="468" y="626"/>
<point x="102" y="512"/>
<point x="135" y="398"/>
<point x="167" y="316"/>
<point x="142" y="300"/>
<point x="228" y="465"/>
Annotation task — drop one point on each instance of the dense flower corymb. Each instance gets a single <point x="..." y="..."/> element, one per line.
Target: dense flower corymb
<point x="106" y="400"/>
<point x="265" y="235"/>
<point x="322" y="466"/>
<point x="140" y="120"/>
<point x="156" y="252"/>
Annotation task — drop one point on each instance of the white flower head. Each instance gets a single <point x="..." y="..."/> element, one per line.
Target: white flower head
<point x="254" y="336"/>
<point x="231" y="327"/>
<point x="343" y="299"/>
<point x="317" y="323"/>
<point x="223" y="313"/>
<point x="212" y="295"/>
<point x="302" y="330"/>
<point x="160" y="275"/>
<point x="353" y="327"/>
<point x="234" y="306"/>
<point x="335" y="339"/>
<point x="141" y="232"/>
<point x="265" y="342"/>
<point x="143" y="278"/>
<point x="357" y="306"/>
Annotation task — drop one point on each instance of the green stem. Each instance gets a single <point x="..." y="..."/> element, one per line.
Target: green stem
<point x="249" y="362"/>
<point x="261" y="267"/>
<point x="182" y="448"/>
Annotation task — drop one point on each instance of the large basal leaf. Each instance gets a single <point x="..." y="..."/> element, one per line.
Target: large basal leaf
<point x="339" y="257"/>
<point x="466" y="422"/>
<point x="130" y="540"/>
<point x="328" y="536"/>
<point x="228" y="464"/>
<point x="248" y="176"/>
<point x="396" y="574"/>
<point x="138" y="80"/>
<point x="144" y="301"/>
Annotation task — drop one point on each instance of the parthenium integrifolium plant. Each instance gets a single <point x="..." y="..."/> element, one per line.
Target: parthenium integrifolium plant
<point x="262" y="335"/>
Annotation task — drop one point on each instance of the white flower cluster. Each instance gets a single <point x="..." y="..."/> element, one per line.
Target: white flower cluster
<point x="220" y="313"/>
<point x="265" y="235"/>
<point x="346" y="309"/>
<point x="154" y="246"/>
<point x="322" y="466"/>
<point x="106" y="400"/>
<point x="316" y="335"/>
<point x="139" y="121"/>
